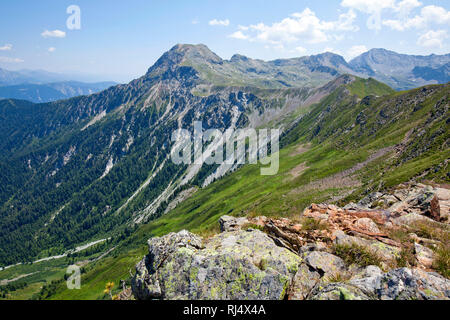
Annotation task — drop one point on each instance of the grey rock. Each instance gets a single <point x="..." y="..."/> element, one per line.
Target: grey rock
<point x="339" y="291"/>
<point x="228" y="223"/>
<point x="424" y="255"/>
<point x="405" y="284"/>
<point x="325" y="263"/>
<point x="367" y="224"/>
<point x="368" y="201"/>
<point x="367" y="272"/>
<point x="232" y="265"/>
<point x="303" y="283"/>
<point x="399" y="284"/>
<point x="316" y="246"/>
<point x="411" y="218"/>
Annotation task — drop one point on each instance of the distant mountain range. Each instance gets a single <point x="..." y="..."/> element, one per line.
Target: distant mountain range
<point x="402" y="71"/>
<point x="10" y="78"/>
<point x="399" y="71"/>
<point x="52" y="91"/>
<point x="42" y="86"/>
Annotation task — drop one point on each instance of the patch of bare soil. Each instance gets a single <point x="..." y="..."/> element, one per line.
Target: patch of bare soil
<point x="343" y="179"/>
<point x="301" y="149"/>
<point x="298" y="170"/>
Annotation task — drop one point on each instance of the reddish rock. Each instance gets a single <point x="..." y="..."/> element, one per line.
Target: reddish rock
<point x="367" y="224"/>
<point x="435" y="209"/>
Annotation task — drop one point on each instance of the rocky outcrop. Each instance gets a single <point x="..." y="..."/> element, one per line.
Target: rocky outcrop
<point x="428" y="201"/>
<point x="243" y="264"/>
<point x="286" y="261"/>
<point x="363" y="251"/>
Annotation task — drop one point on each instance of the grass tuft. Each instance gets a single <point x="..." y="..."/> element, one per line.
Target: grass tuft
<point x="355" y="254"/>
<point x="442" y="261"/>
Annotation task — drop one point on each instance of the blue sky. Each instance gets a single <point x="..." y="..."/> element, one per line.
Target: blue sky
<point x="120" y="40"/>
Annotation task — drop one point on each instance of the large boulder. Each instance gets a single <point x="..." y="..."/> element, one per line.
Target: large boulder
<point x="228" y="223"/>
<point x="325" y="263"/>
<point x="318" y="267"/>
<point x="304" y="282"/>
<point x="232" y="265"/>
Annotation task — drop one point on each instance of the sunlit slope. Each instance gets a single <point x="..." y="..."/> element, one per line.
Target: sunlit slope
<point x="348" y="145"/>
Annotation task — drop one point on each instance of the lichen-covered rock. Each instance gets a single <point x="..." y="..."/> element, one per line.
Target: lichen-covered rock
<point x="228" y="223"/>
<point x="339" y="291"/>
<point x="367" y="272"/>
<point x="405" y="284"/>
<point x="411" y="219"/>
<point x="143" y="285"/>
<point x="398" y="284"/>
<point x="232" y="265"/>
<point x="304" y="281"/>
<point x="413" y="198"/>
<point x="325" y="263"/>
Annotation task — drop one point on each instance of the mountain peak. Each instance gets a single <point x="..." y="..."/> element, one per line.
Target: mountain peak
<point x="188" y="54"/>
<point x="239" y="57"/>
<point x="194" y="52"/>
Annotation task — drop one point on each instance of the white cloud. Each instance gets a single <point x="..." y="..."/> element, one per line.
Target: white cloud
<point x="10" y="60"/>
<point x="397" y="25"/>
<point x="195" y="21"/>
<point x="346" y="20"/>
<point x="304" y="26"/>
<point x="433" y="39"/>
<point x="53" y="34"/>
<point x="216" y="22"/>
<point x="368" y="6"/>
<point x="51" y="49"/>
<point x="238" y="35"/>
<point x="429" y="15"/>
<point x="436" y="14"/>
<point x="355" y="51"/>
<point x="300" y="50"/>
<point x="6" y="47"/>
<point x="406" y="6"/>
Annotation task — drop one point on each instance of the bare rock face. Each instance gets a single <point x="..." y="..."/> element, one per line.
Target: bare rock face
<point x="232" y="265"/>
